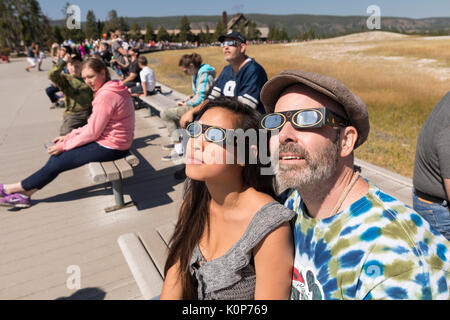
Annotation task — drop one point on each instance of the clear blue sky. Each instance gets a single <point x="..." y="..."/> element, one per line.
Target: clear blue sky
<point x="159" y="8"/>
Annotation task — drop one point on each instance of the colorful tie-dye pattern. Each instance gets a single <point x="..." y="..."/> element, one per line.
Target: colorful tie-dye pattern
<point x="379" y="248"/>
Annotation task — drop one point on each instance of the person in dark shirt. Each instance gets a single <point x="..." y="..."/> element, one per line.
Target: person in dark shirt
<point x="431" y="180"/>
<point x="105" y="53"/>
<point x="242" y="78"/>
<point x="134" y="69"/>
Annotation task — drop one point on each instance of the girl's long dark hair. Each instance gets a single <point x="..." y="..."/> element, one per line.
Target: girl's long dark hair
<point x="194" y="215"/>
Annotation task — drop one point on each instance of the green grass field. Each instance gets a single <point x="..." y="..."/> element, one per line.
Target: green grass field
<point x="401" y="79"/>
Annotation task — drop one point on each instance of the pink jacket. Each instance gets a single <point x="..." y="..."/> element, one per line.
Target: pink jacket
<point x="111" y="123"/>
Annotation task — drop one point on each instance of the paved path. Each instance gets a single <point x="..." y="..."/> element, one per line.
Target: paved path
<point x="67" y="226"/>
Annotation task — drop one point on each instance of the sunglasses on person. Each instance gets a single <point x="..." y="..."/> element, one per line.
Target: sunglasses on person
<point x="303" y="119"/>
<point x="212" y="133"/>
<point x="230" y="43"/>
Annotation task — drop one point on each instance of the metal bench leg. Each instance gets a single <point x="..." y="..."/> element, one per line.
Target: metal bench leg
<point x="117" y="188"/>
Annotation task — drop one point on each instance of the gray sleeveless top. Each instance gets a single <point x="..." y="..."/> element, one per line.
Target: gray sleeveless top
<point x="232" y="276"/>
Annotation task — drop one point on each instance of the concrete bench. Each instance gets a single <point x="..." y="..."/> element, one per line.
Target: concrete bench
<point x="159" y="101"/>
<point x="175" y="95"/>
<point x="114" y="172"/>
<point x="146" y="255"/>
<point x="163" y="99"/>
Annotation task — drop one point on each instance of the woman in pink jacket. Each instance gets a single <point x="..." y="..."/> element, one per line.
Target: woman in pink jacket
<point x="107" y="136"/>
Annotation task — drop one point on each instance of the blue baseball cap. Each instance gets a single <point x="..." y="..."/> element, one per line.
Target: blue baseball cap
<point x="233" y="35"/>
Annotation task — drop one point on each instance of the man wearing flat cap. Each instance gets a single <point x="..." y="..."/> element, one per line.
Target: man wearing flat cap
<point x="352" y="240"/>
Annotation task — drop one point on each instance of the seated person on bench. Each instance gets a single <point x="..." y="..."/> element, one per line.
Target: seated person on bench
<point x="148" y="79"/>
<point x="52" y="90"/>
<point x="77" y="94"/>
<point x="134" y="69"/>
<point x="232" y="239"/>
<point x="106" y="137"/>
<point x="203" y="77"/>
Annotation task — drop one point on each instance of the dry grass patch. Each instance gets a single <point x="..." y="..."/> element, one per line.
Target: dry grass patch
<point x="438" y="50"/>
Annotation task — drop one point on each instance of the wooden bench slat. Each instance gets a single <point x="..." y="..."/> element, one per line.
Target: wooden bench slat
<point x="97" y="173"/>
<point x="111" y="171"/>
<point x="145" y="273"/>
<point x="132" y="159"/>
<point x="156" y="247"/>
<point x="126" y="171"/>
<point x="166" y="231"/>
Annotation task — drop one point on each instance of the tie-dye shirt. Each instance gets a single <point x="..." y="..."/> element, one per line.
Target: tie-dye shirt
<point x="378" y="248"/>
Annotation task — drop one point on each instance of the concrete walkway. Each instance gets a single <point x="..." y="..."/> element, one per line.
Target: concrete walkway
<point x="66" y="231"/>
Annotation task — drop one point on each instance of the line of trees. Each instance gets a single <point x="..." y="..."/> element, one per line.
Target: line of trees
<point x="22" y="22"/>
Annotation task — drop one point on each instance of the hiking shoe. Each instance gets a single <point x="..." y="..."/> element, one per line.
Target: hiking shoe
<point x="168" y="146"/>
<point x="15" y="200"/>
<point x="2" y="191"/>
<point x="172" y="157"/>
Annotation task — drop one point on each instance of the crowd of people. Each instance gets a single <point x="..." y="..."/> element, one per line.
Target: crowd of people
<point x="315" y="229"/>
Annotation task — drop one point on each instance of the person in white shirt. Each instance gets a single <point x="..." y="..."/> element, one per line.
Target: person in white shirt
<point x="147" y="77"/>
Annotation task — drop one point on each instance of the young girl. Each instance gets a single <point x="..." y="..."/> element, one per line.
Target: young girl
<point x="232" y="239"/>
<point x="106" y="137"/>
<point x="203" y="77"/>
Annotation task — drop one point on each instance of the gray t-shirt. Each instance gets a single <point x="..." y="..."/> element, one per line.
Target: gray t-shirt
<point x="232" y="276"/>
<point x="432" y="162"/>
<point x="115" y="46"/>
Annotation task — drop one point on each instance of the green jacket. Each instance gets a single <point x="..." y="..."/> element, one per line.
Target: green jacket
<point x="77" y="94"/>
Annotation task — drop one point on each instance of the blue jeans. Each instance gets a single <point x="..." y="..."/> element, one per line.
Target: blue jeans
<point x="438" y="215"/>
<point x="51" y="92"/>
<point x="68" y="160"/>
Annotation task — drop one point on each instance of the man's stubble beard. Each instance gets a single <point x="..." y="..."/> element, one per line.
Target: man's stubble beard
<point x="311" y="174"/>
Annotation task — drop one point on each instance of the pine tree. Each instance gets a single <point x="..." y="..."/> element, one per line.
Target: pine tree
<point x="92" y="31"/>
<point x="135" y="31"/>
<point x="57" y="34"/>
<point x="123" y="25"/>
<point x="113" y="23"/>
<point x="220" y="29"/>
<point x="208" y="35"/>
<point x="253" y="32"/>
<point x="162" y="35"/>
<point x="22" y="20"/>
<point x="273" y="31"/>
<point x="283" y="35"/>
<point x="149" y="33"/>
<point x="185" y="30"/>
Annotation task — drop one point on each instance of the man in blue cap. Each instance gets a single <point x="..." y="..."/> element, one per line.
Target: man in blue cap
<point x="243" y="78"/>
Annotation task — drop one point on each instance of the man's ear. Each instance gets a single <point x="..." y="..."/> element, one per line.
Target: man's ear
<point x="349" y="135"/>
<point x="243" y="48"/>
